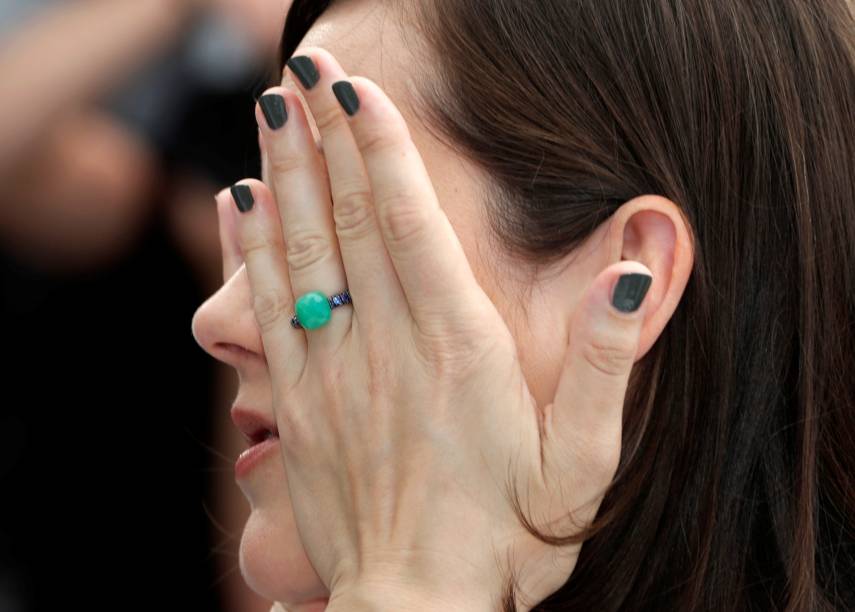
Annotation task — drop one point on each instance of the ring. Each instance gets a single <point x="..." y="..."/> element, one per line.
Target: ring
<point x="314" y="309"/>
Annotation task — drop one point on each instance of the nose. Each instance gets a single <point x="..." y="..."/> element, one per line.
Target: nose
<point x="225" y="326"/>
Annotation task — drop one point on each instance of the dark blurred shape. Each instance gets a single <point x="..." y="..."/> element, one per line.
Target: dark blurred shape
<point x="103" y="454"/>
<point x="192" y="105"/>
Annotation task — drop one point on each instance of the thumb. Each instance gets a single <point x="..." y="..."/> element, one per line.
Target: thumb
<point x="581" y="435"/>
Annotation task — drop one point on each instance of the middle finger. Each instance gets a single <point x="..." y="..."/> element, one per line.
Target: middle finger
<point x="378" y="297"/>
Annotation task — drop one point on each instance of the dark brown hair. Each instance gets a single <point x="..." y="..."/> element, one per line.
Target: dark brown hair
<point x="736" y="486"/>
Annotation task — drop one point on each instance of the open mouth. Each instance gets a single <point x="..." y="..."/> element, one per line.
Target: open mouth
<point x="261" y="435"/>
<point x="256" y="426"/>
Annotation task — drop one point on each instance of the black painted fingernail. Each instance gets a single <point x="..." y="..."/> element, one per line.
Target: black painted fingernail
<point x="630" y="291"/>
<point x="273" y="107"/>
<point x="346" y="95"/>
<point x="243" y="197"/>
<point x="305" y="69"/>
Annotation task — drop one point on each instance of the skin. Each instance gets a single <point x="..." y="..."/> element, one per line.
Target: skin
<point x="648" y="229"/>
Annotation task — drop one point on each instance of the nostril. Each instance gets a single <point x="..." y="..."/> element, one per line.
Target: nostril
<point x="234" y="354"/>
<point x="234" y="348"/>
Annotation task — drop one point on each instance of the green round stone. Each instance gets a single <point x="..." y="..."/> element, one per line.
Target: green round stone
<point x="313" y="310"/>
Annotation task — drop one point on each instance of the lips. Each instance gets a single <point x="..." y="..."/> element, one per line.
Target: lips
<point x="255" y="426"/>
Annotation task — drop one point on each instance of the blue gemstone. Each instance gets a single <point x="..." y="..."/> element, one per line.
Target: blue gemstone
<point x="336" y="300"/>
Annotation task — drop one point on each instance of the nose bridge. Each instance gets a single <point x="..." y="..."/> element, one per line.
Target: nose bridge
<point x="226" y="318"/>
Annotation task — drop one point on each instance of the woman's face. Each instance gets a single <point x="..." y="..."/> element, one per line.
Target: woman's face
<point x="364" y="38"/>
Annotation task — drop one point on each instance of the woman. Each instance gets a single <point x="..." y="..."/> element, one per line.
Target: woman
<point x="704" y="145"/>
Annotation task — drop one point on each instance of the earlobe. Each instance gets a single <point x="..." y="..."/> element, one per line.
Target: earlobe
<point x="652" y="230"/>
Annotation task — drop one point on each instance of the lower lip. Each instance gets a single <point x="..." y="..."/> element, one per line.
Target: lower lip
<point x="254" y="455"/>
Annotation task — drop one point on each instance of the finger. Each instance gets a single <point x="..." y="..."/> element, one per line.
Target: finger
<point x="430" y="261"/>
<point x="265" y="163"/>
<point x="229" y="246"/>
<point x="265" y="166"/>
<point x="373" y="282"/>
<point x="301" y="188"/>
<point x="581" y="430"/>
<point x="260" y="238"/>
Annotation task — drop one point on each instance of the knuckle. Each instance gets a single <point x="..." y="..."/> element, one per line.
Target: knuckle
<point x="611" y="356"/>
<point x="305" y="249"/>
<point x="270" y="309"/>
<point x="284" y="164"/>
<point x="404" y="221"/>
<point x="451" y="355"/>
<point x="380" y="141"/>
<point x="256" y="243"/>
<point x="353" y="210"/>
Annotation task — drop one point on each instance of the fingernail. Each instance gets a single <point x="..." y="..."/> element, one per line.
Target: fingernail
<point x="243" y="197"/>
<point x="305" y="69"/>
<point x="346" y="95"/>
<point x="630" y="291"/>
<point x="273" y="107"/>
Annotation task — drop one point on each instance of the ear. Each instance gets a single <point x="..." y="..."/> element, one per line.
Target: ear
<point x="652" y="230"/>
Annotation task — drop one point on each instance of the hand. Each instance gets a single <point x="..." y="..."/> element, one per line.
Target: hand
<point x="406" y="423"/>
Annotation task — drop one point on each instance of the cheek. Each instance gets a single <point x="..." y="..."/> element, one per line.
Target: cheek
<point x="272" y="558"/>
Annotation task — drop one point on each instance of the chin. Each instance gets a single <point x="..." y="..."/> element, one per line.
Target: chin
<point x="274" y="564"/>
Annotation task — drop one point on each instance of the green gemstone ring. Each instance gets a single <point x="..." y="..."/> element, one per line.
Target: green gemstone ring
<point x="314" y="309"/>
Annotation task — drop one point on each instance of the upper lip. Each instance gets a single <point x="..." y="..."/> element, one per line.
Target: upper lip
<point x="255" y="426"/>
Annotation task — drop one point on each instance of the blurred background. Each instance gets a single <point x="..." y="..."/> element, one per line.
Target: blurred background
<point x="120" y="120"/>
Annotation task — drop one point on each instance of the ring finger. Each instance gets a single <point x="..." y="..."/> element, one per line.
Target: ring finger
<point x="298" y="178"/>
